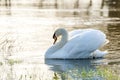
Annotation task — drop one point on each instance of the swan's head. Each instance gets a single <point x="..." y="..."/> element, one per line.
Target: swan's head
<point x="58" y="33"/>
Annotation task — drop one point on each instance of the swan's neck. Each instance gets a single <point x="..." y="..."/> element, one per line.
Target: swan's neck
<point x="63" y="40"/>
<point x="58" y="45"/>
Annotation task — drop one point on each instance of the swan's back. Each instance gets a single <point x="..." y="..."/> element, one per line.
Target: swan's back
<point x="83" y="44"/>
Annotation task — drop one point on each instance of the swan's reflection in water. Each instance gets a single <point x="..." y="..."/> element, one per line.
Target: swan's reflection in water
<point x="65" y="65"/>
<point x="71" y="67"/>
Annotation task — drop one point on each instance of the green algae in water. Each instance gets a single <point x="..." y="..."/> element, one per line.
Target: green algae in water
<point x="12" y="62"/>
<point x="98" y="74"/>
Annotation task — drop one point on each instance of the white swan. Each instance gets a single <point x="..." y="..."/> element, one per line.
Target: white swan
<point x="81" y="44"/>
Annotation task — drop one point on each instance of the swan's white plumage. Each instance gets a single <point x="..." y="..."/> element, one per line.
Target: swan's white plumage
<point x="81" y="44"/>
<point x="98" y="53"/>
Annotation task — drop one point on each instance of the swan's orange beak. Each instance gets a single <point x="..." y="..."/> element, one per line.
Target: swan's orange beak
<point x="55" y="38"/>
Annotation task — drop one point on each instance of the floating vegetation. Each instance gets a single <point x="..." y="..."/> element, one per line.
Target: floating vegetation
<point x="1" y="63"/>
<point x="12" y="62"/>
<point x="115" y="62"/>
<point x="99" y="74"/>
<point x="55" y="77"/>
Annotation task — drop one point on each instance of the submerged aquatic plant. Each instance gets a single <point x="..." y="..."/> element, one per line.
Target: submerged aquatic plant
<point x="55" y="77"/>
<point x="98" y="74"/>
<point x="1" y="63"/>
<point x="12" y="62"/>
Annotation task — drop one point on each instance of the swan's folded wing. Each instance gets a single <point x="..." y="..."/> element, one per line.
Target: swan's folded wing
<point x="75" y="33"/>
<point x="82" y="46"/>
<point x="81" y="50"/>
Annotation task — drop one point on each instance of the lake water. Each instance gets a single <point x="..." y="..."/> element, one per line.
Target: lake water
<point x="27" y="26"/>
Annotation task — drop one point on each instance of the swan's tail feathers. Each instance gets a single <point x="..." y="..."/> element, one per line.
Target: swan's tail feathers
<point x="99" y="54"/>
<point x="106" y="42"/>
